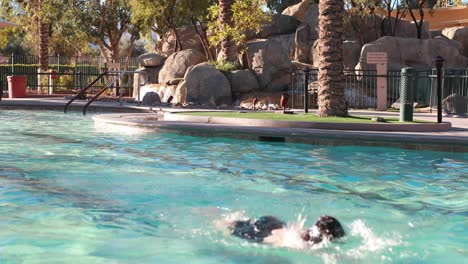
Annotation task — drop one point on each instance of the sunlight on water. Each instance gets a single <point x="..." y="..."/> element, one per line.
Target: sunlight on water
<point x="101" y="127"/>
<point x="75" y="192"/>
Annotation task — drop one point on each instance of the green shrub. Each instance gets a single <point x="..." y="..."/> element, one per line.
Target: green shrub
<point x="226" y="66"/>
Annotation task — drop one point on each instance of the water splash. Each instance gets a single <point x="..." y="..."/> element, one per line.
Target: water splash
<point x="359" y="244"/>
<point x="226" y="222"/>
<point x="290" y="236"/>
<point x="370" y="241"/>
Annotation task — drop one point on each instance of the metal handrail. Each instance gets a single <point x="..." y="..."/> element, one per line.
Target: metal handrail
<point x="108" y="85"/>
<point x="84" y="90"/>
<point x="120" y="75"/>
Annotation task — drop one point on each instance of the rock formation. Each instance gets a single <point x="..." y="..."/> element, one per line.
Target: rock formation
<point x="459" y="34"/>
<point x="207" y="86"/>
<point x="177" y="64"/>
<point x="406" y="52"/>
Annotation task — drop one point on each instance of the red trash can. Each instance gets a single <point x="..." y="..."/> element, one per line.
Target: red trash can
<point x="16" y="86"/>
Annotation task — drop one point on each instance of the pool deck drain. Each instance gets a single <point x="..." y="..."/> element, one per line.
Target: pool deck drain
<point x="454" y="138"/>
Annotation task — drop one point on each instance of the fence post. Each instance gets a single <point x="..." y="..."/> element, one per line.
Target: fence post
<point x="439" y="62"/>
<point x="306" y="89"/>
<point x="76" y="73"/>
<point x="407" y="88"/>
<point x="12" y="64"/>
<point x="79" y="80"/>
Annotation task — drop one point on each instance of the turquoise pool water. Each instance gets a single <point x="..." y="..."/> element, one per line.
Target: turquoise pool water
<point x="74" y="192"/>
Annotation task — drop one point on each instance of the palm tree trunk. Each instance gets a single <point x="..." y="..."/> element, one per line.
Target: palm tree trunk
<point x="43" y="45"/>
<point x="228" y="49"/>
<point x="331" y="100"/>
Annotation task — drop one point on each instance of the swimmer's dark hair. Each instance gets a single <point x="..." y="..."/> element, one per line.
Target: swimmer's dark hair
<point x="328" y="227"/>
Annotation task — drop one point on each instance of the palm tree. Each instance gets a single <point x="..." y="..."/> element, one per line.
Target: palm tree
<point x="228" y="48"/>
<point x="331" y="98"/>
<point x="43" y="45"/>
<point x="37" y="13"/>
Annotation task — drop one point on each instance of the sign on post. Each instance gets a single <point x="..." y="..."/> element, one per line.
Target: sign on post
<point x="380" y="60"/>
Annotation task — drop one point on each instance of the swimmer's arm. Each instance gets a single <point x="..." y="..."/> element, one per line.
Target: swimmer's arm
<point x="276" y="238"/>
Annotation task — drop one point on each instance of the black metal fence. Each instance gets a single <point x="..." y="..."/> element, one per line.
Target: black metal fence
<point x="454" y="91"/>
<point x="65" y="75"/>
<point x="361" y="89"/>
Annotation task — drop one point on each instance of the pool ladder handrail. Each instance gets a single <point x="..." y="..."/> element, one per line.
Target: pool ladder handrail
<point x="110" y="84"/>
<point x="82" y="91"/>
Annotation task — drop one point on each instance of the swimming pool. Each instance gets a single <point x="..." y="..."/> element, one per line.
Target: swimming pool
<point x="71" y="192"/>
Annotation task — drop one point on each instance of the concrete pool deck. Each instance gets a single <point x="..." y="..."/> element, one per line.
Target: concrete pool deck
<point x="454" y="139"/>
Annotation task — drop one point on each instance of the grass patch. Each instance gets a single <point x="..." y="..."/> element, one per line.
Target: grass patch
<point x="298" y="117"/>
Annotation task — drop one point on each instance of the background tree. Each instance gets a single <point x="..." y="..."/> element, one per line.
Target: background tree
<point x="159" y="16"/>
<point x="68" y="34"/>
<point x="418" y="6"/>
<point x="331" y="98"/>
<point x="35" y="17"/>
<point x="277" y="6"/>
<point x="12" y="42"/>
<point x="197" y="11"/>
<point x="246" y="16"/>
<point x="106" y="23"/>
<point x="400" y="11"/>
<point x="163" y="16"/>
<point x="360" y="14"/>
<point x="224" y="26"/>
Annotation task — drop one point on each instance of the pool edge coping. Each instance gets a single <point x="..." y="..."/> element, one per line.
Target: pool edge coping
<point x="406" y="140"/>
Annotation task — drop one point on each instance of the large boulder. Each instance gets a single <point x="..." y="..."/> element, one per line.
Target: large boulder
<point x="149" y="75"/>
<point x="188" y="37"/>
<point x="297" y="11"/>
<point x="311" y="19"/>
<point x="302" y="42"/>
<point x="287" y="44"/>
<point x="406" y="52"/>
<point x="280" y="25"/>
<point x="151" y="98"/>
<point x="436" y="33"/>
<point x="365" y="29"/>
<point x="459" y="34"/>
<point x="408" y="30"/>
<point x="370" y="28"/>
<point x="243" y="81"/>
<point x="207" y="86"/>
<point x="180" y="94"/>
<point x="177" y="64"/>
<point x="454" y="44"/>
<point x="455" y="104"/>
<point x="314" y="53"/>
<point x="306" y="34"/>
<point x="271" y="61"/>
<point x="164" y="92"/>
<point x="351" y="53"/>
<point x="151" y="60"/>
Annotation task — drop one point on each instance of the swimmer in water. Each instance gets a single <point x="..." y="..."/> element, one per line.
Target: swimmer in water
<point x="269" y="229"/>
